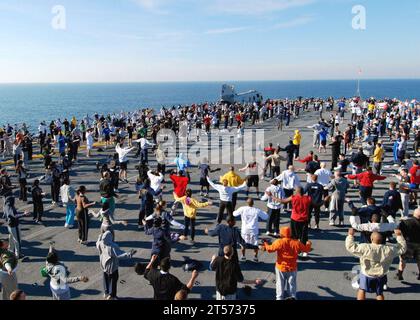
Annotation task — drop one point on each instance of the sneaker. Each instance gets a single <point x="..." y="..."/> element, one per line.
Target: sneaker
<point x="268" y="233"/>
<point x="304" y="255"/>
<point x="201" y="194"/>
<point x="332" y="223"/>
<point x="399" y="276"/>
<point x="243" y="258"/>
<point x="21" y="256"/>
<point x="385" y="287"/>
<point x="341" y="224"/>
<point x="66" y="225"/>
<point x="316" y="227"/>
<point x="275" y="234"/>
<point x="255" y="260"/>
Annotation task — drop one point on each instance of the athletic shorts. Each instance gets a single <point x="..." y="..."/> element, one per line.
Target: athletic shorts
<point x="372" y="285"/>
<point x="323" y="143"/>
<point x="250" y="238"/>
<point x="413" y="252"/>
<point x="253" y="181"/>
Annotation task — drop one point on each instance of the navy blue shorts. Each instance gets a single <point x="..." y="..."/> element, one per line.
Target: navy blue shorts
<point x="372" y="285"/>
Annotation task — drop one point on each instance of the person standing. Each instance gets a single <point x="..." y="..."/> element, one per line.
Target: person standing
<point x="287" y="250"/>
<point x="109" y="256"/>
<point x="122" y="159"/>
<point x="300" y="215"/>
<point x="378" y="157"/>
<point x="366" y="179"/>
<point x="190" y="206"/>
<point x="234" y="180"/>
<point x="316" y="192"/>
<point x="180" y="183"/>
<point x="68" y="197"/>
<point x="275" y="159"/>
<point x="22" y="175"/>
<point x="249" y="229"/>
<point x="225" y="194"/>
<point x="290" y="181"/>
<point x="8" y="266"/>
<point x="297" y="139"/>
<point x="38" y="205"/>
<point x="228" y="274"/>
<point x="13" y="221"/>
<point x="59" y="280"/>
<point x="165" y="285"/>
<point x="82" y="207"/>
<point x="338" y="187"/>
<point x="375" y="261"/>
<point x="392" y="200"/>
<point x="410" y="229"/>
<point x="55" y="183"/>
<point x="228" y="235"/>
<point x="274" y="207"/>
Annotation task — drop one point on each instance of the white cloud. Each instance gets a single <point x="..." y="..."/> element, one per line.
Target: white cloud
<point x="294" y="23"/>
<point x="226" y="30"/>
<point x="249" y="7"/>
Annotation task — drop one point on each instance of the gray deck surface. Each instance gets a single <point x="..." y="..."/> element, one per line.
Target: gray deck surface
<point x="325" y="275"/>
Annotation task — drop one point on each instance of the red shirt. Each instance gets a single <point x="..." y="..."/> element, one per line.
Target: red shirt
<point x="307" y="159"/>
<point x="300" y="208"/>
<point x="180" y="185"/>
<point x="415" y="174"/>
<point x="366" y="178"/>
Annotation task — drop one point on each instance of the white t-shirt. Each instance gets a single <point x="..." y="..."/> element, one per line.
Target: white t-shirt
<point x="249" y="218"/>
<point x="324" y="176"/>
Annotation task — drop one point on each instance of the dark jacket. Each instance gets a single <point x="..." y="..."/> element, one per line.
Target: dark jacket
<point x="228" y="274"/>
<point x="227" y="236"/>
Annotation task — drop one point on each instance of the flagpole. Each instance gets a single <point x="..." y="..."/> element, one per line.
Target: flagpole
<point x="358" y="84"/>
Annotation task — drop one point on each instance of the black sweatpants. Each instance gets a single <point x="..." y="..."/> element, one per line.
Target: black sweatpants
<point x="287" y="194"/>
<point x="38" y="210"/>
<point x="273" y="222"/>
<point x="299" y="230"/>
<point x="316" y="209"/>
<point x="188" y="222"/>
<point x="55" y="190"/>
<point x="224" y="205"/>
<point x="83" y="223"/>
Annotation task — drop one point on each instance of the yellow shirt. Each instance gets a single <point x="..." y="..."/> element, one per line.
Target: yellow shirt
<point x="233" y="179"/>
<point x="378" y="155"/>
<point x="371" y="107"/>
<point x="297" y="139"/>
<point x="190" y="210"/>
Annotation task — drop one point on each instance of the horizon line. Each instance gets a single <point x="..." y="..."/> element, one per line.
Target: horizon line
<point x="203" y="81"/>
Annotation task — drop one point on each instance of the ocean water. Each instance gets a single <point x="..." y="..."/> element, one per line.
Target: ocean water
<point x="31" y="103"/>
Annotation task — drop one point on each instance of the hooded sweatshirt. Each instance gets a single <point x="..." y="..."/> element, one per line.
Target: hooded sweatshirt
<point x="110" y="253"/>
<point x="287" y="250"/>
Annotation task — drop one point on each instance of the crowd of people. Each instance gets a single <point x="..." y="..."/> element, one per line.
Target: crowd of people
<point x="389" y="227"/>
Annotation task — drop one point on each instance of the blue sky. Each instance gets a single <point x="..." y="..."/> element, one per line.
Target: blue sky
<point x="207" y="40"/>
